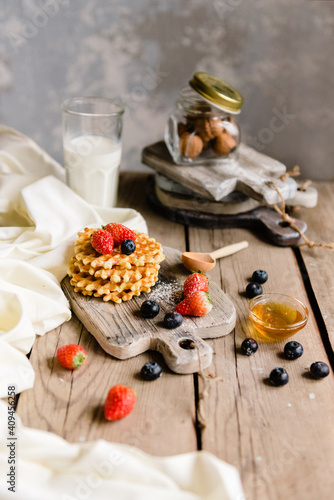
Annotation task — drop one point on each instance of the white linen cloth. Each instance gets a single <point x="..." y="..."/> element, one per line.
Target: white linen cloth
<point x="39" y="218"/>
<point x="49" y="468"/>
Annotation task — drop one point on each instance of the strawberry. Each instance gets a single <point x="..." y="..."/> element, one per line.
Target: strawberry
<point x="196" y="304"/>
<point x="196" y="282"/>
<point x="71" y="356"/>
<point x="120" y="232"/>
<point x="183" y="308"/>
<point x="120" y="402"/>
<point x="102" y="241"/>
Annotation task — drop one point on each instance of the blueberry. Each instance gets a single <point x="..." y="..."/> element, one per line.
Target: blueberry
<point x="128" y="246"/>
<point x="319" y="369"/>
<point x="260" y="276"/>
<point x="150" y="309"/>
<point x="293" y="350"/>
<point x="173" y="320"/>
<point x="249" y="346"/>
<point x="253" y="289"/>
<point x="279" y="376"/>
<point x="151" y="371"/>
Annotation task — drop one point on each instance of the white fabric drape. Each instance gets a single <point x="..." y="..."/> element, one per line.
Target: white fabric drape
<point x="40" y="217"/>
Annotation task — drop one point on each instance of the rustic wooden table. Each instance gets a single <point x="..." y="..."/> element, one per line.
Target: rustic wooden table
<point x="280" y="439"/>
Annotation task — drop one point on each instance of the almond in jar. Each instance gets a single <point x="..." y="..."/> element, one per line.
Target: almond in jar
<point x="202" y="128"/>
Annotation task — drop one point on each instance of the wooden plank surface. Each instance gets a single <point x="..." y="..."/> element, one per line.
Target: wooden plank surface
<point x="133" y="194"/>
<point x="71" y="403"/>
<point x="319" y="262"/>
<point x="280" y="439"/>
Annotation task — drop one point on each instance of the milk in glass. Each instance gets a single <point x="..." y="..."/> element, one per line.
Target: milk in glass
<point x="92" y="163"/>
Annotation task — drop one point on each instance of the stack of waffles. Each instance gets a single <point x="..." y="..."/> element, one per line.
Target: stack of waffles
<point x="115" y="277"/>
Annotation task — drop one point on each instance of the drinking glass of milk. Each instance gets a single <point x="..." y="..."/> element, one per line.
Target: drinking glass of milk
<point x="92" y="139"/>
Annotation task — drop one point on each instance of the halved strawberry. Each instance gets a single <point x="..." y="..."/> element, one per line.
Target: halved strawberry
<point x="183" y="308"/>
<point x="120" y="232"/>
<point x="196" y="282"/>
<point x="196" y="304"/>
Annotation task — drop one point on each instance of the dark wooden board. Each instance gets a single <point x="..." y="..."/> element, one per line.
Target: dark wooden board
<point x="199" y="204"/>
<point x="262" y="219"/>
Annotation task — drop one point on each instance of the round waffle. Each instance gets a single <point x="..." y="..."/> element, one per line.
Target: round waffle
<point x="148" y="251"/>
<point x="115" y="277"/>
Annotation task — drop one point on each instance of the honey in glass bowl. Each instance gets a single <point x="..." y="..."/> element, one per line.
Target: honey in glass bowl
<point x="277" y="316"/>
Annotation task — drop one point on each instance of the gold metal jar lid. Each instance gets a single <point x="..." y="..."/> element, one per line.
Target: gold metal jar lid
<point x="217" y="92"/>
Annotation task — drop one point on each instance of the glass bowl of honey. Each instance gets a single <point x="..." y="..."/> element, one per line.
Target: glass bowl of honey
<point x="277" y="316"/>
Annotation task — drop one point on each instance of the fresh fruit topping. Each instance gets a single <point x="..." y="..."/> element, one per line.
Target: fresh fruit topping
<point x="120" y="232"/>
<point x="183" y="308"/>
<point x="128" y="246"/>
<point x="293" y="350"/>
<point x="249" y="347"/>
<point x="173" y="320"/>
<point x="71" y="356"/>
<point x="319" y="369"/>
<point x="260" y="276"/>
<point x="102" y="241"/>
<point x="151" y="371"/>
<point x="120" y="402"/>
<point x="150" y="309"/>
<point x="279" y="376"/>
<point x="253" y="289"/>
<point x="196" y="304"/>
<point x="196" y="282"/>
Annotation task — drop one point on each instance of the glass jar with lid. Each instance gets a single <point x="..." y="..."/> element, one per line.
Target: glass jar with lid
<point x="202" y="128"/>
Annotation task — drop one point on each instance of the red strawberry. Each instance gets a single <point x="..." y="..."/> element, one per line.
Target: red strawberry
<point x="102" y="241"/>
<point x="71" y="356"/>
<point x="120" y="402"/>
<point x="120" y="232"/>
<point x="196" y="304"/>
<point x="196" y="282"/>
<point x="183" y="308"/>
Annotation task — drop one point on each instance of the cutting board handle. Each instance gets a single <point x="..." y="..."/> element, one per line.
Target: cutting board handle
<point x="179" y="353"/>
<point x="264" y="219"/>
<point x="279" y="231"/>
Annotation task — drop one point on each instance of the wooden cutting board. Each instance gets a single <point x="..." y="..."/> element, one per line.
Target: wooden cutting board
<point x="266" y="221"/>
<point x="235" y="202"/>
<point x="199" y="204"/>
<point x="122" y="332"/>
<point x="251" y="175"/>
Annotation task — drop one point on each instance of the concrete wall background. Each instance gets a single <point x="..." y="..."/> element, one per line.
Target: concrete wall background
<point x="277" y="53"/>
